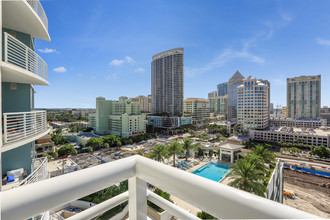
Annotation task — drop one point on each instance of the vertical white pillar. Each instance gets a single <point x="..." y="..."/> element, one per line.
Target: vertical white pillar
<point x="220" y="154"/>
<point x="232" y="157"/>
<point x="0" y="95"/>
<point x="137" y="201"/>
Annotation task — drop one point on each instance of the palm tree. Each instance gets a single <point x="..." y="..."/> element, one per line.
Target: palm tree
<point x="267" y="155"/>
<point x="187" y="145"/>
<point x="174" y="148"/>
<point x="247" y="177"/>
<point x="158" y="153"/>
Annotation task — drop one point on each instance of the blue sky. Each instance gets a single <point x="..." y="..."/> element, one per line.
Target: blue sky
<point x="104" y="47"/>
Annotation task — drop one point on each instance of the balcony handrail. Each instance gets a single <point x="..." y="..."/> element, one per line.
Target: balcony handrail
<point x="40" y="173"/>
<point x="17" y="53"/>
<point x="21" y="125"/>
<point x="217" y="199"/>
<point x="39" y="10"/>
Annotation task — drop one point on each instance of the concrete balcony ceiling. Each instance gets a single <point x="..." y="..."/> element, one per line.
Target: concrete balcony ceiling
<point x="26" y="16"/>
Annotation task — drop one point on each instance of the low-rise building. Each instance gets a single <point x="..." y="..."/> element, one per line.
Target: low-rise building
<point x="168" y="122"/>
<point x="298" y="123"/>
<point x="198" y="109"/>
<point x="308" y="136"/>
<point x="122" y="118"/>
<point x="44" y="145"/>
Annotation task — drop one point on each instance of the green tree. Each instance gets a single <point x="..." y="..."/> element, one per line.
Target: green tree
<point x="247" y="177"/>
<point x="106" y="145"/>
<point x="95" y="142"/>
<point x="158" y="153"/>
<point x="267" y="155"/>
<point x="66" y="150"/>
<point x="174" y="148"/>
<point x="321" y="151"/>
<point x="187" y="145"/>
<point x="204" y="215"/>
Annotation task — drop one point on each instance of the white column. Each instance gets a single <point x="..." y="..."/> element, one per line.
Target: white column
<point x="137" y="201"/>
<point x="232" y="156"/>
<point x="220" y="154"/>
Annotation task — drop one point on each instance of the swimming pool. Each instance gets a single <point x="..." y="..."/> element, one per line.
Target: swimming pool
<point x="212" y="171"/>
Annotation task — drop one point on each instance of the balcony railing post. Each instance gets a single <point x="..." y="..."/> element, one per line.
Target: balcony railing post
<point x="137" y="202"/>
<point x="24" y="124"/>
<point x="6" y="47"/>
<point x="5" y="128"/>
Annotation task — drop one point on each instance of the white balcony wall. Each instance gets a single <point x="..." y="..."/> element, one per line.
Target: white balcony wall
<point x="217" y="199"/>
<point x="17" y="53"/>
<point x="22" y="125"/>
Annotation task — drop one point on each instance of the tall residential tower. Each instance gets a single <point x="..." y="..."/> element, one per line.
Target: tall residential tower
<point x="167" y="82"/>
<point x="304" y="97"/>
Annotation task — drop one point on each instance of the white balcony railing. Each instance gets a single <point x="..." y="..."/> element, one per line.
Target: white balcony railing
<point x="219" y="200"/>
<point x="20" y="125"/>
<point x="39" y="173"/>
<point x="17" y="53"/>
<point x="37" y="7"/>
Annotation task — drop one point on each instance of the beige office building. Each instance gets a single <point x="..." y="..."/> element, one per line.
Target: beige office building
<point x="198" y="109"/>
<point x="145" y="102"/>
<point x="253" y="104"/>
<point x="284" y="112"/>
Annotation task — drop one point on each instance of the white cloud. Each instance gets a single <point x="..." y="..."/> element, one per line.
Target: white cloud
<point x="48" y="50"/>
<point x="116" y="62"/>
<point x="323" y="41"/>
<point x="111" y="77"/>
<point x="60" y="69"/>
<point x="129" y="59"/>
<point x="139" y="70"/>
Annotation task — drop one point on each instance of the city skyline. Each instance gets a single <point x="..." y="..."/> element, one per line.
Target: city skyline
<point x="109" y="52"/>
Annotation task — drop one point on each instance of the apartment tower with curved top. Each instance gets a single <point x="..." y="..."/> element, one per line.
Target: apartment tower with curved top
<point x="167" y="83"/>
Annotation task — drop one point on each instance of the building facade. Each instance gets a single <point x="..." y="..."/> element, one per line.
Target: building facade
<point x="284" y="112"/>
<point x="168" y="122"/>
<point x="222" y="89"/>
<point x="122" y="118"/>
<point x="253" y="104"/>
<point x="218" y="105"/>
<point x="298" y="123"/>
<point x="167" y="82"/>
<point x="235" y="81"/>
<point x="198" y="109"/>
<point x="21" y="69"/>
<point x="145" y="103"/>
<point x="325" y="113"/>
<point x="304" y="97"/>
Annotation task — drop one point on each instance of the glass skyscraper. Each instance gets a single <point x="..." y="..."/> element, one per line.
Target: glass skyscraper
<point x="235" y="81"/>
<point x="304" y="97"/>
<point x="167" y="83"/>
<point x="222" y="89"/>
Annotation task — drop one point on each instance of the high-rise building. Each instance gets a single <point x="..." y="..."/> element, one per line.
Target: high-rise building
<point x="21" y="68"/>
<point x="222" y="89"/>
<point x="145" y="102"/>
<point x="198" y="109"/>
<point x="253" y="104"/>
<point x="218" y="104"/>
<point x="304" y="97"/>
<point x="167" y="82"/>
<point x="235" y="81"/>
<point x="284" y="112"/>
<point x="122" y="118"/>
<point x="325" y="113"/>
